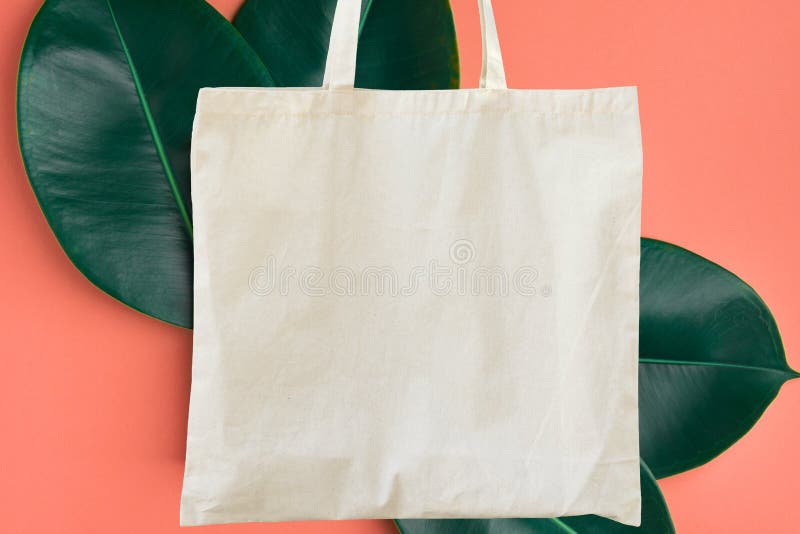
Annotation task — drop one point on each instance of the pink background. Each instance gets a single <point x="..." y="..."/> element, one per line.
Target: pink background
<point x="94" y="396"/>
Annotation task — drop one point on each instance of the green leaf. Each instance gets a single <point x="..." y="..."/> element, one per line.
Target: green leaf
<point x="655" y="520"/>
<point x="711" y="358"/>
<point x="106" y="99"/>
<point x="404" y="44"/>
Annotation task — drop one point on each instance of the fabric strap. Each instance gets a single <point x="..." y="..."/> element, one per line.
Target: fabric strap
<point x="340" y="67"/>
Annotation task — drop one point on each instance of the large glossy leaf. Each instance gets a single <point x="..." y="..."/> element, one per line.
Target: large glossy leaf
<point x="106" y="99"/>
<point x="711" y="358"/>
<point x="404" y="44"/>
<point x="655" y="520"/>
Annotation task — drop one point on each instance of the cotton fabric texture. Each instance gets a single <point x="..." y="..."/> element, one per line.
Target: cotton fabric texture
<point x="414" y="304"/>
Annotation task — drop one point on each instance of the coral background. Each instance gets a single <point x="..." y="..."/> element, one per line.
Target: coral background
<point x="94" y="396"/>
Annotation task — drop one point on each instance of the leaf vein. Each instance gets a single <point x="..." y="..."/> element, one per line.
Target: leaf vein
<point x="152" y="125"/>
<point x="665" y="361"/>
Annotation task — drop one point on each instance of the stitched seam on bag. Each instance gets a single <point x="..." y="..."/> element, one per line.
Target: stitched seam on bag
<point x="259" y="114"/>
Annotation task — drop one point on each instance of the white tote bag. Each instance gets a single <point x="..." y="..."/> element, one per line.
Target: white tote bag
<point x="414" y="304"/>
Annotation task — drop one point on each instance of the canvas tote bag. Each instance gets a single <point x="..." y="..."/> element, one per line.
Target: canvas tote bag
<point x="414" y="304"/>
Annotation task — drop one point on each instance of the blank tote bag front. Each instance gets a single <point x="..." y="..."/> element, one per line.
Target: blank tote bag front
<point x="414" y="304"/>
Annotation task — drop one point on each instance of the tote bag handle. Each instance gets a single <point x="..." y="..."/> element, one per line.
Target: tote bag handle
<point x="340" y="67"/>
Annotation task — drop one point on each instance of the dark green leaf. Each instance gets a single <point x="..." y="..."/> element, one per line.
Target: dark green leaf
<point x="404" y="44"/>
<point x="106" y="99"/>
<point x="655" y="520"/>
<point x="711" y="358"/>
